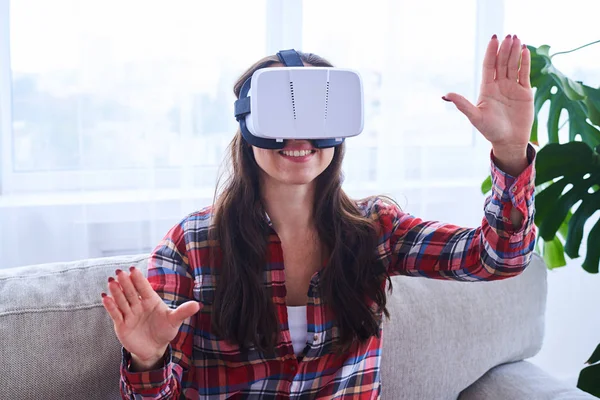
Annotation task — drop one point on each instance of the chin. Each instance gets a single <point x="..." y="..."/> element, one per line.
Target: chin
<point x="298" y="179"/>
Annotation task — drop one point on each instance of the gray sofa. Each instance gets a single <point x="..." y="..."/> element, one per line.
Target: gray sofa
<point x="445" y="340"/>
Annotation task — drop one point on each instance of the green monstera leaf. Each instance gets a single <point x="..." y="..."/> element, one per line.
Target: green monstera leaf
<point x="574" y="170"/>
<point x="581" y="102"/>
<point x="589" y="379"/>
<point x="553" y="252"/>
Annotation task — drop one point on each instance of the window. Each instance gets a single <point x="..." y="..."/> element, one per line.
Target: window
<point x="105" y="91"/>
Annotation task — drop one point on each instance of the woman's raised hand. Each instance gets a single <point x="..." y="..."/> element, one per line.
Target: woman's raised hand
<point x="504" y="110"/>
<point x="144" y="324"/>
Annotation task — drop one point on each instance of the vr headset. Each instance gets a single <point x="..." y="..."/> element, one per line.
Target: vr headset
<point x="323" y="105"/>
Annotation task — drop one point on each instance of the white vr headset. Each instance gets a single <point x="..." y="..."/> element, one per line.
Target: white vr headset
<point x="323" y="105"/>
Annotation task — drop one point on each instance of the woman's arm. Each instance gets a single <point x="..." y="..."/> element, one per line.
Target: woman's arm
<point x="500" y="248"/>
<point x="513" y="161"/>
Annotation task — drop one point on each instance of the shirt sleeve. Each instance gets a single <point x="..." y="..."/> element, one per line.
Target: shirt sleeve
<point x="495" y="250"/>
<point x="171" y="277"/>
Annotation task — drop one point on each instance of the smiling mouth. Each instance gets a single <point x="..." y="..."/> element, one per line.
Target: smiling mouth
<point x="297" y="153"/>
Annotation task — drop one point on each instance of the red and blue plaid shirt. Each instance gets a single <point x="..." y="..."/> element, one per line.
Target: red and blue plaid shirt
<point x="200" y="365"/>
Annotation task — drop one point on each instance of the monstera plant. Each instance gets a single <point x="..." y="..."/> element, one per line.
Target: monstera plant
<point x="568" y="175"/>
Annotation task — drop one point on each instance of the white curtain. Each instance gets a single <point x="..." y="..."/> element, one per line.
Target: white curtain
<point x="115" y="114"/>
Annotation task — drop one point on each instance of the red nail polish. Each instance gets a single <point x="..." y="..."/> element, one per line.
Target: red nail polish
<point x="494" y="37"/>
<point x="523" y="46"/>
<point x="507" y="37"/>
<point x="515" y="37"/>
<point x="131" y="269"/>
<point x="111" y="279"/>
<point x="104" y="295"/>
<point x="445" y="98"/>
<point x="117" y="271"/>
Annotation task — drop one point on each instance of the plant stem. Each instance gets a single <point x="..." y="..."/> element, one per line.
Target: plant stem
<point x="578" y="48"/>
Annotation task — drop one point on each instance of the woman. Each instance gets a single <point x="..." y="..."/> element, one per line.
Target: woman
<point x="278" y="290"/>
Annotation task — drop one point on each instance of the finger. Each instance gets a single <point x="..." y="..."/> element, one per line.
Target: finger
<point x="489" y="60"/>
<point x="502" y="59"/>
<point x="141" y="283"/>
<point x="186" y="310"/>
<point x="513" y="59"/>
<point x="117" y="293"/>
<point x="110" y="306"/>
<point x="464" y="106"/>
<point x="525" y="69"/>
<point x="131" y="294"/>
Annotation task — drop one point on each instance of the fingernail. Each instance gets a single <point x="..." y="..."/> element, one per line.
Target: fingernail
<point x="104" y="295"/>
<point x="515" y="37"/>
<point x="507" y="37"/>
<point x="523" y="46"/>
<point x="117" y="271"/>
<point x="494" y="37"/>
<point x="131" y="269"/>
<point x="111" y="279"/>
<point x="445" y="98"/>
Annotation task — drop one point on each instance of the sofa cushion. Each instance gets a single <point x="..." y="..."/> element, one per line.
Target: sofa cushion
<point x="521" y="380"/>
<point x="443" y="336"/>
<point x="57" y="341"/>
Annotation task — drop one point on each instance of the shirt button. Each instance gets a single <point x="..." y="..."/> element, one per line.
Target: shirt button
<point x="316" y="337"/>
<point x="514" y="189"/>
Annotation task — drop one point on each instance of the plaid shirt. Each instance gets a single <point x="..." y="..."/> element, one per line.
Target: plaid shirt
<point x="200" y="365"/>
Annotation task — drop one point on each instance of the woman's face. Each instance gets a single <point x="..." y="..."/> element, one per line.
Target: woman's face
<point x="298" y="163"/>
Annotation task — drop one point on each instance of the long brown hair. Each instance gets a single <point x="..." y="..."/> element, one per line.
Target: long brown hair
<point x="351" y="282"/>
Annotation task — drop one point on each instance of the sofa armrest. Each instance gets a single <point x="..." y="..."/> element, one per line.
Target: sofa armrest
<point x="521" y="381"/>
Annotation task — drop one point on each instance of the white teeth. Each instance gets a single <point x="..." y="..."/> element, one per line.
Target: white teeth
<point x="297" y="153"/>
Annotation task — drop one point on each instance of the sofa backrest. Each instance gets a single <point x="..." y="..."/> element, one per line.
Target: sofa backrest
<point x="57" y="341"/>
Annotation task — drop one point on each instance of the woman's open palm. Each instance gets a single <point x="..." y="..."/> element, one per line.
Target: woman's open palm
<point x="144" y="324"/>
<point x="504" y="110"/>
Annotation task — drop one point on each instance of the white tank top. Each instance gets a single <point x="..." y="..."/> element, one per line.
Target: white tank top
<point x="297" y="324"/>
